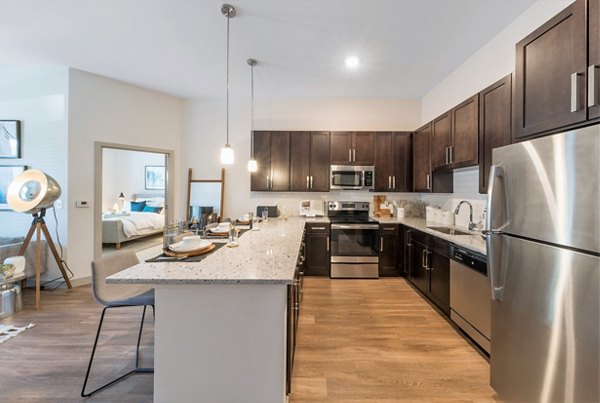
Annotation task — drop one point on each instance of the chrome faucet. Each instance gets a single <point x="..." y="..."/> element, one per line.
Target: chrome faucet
<point x="472" y="225"/>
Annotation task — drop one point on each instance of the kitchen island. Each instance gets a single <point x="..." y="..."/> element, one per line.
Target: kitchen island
<point x="221" y="327"/>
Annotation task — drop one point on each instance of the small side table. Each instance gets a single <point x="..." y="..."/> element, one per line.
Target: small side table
<point x="11" y="297"/>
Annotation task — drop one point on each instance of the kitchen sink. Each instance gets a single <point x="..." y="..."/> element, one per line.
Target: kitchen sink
<point x="449" y="231"/>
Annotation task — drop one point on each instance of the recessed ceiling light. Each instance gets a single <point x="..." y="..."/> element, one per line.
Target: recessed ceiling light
<point x="352" y="62"/>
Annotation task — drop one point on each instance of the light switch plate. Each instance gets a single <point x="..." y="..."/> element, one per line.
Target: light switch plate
<point x="82" y="204"/>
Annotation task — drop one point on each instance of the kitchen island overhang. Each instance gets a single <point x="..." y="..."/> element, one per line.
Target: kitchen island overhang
<point x="221" y="323"/>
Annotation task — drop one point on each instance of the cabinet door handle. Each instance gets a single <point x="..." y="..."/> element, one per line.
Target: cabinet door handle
<point x="593" y="84"/>
<point x="423" y="260"/>
<point x="349" y="155"/>
<point x="318" y="228"/>
<point x="408" y="238"/>
<point x="575" y="91"/>
<point x="354" y="155"/>
<point x="327" y="244"/>
<point x="389" y="182"/>
<point x="267" y="181"/>
<point x="446" y="156"/>
<point x="451" y="154"/>
<point x="381" y="244"/>
<point x="307" y="183"/>
<point x="393" y="182"/>
<point x="311" y="181"/>
<point x="428" y="181"/>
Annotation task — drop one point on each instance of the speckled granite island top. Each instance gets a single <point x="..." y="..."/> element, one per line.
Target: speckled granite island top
<point x="267" y="256"/>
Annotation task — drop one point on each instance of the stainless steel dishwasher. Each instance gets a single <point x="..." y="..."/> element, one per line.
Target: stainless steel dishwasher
<point x="470" y="295"/>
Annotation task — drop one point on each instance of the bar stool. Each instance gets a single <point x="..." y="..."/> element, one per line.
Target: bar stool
<point x="117" y="296"/>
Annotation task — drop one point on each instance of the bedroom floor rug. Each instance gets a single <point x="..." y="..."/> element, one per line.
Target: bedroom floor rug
<point x="10" y="331"/>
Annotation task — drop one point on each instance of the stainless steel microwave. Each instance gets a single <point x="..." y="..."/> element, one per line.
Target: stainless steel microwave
<point x="352" y="177"/>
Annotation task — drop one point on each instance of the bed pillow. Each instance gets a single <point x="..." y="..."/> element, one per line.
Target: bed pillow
<point x="149" y="209"/>
<point x="138" y="206"/>
<point x="153" y="201"/>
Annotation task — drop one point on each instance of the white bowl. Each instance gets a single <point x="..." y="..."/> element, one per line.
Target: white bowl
<point x="191" y="239"/>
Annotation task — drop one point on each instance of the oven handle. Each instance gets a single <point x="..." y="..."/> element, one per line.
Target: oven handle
<point x="354" y="226"/>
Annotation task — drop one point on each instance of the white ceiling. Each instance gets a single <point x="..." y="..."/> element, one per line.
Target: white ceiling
<point x="406" y="47"/>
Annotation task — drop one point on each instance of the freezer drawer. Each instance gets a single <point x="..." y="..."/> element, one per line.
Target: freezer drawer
<point x="545" y="322"/>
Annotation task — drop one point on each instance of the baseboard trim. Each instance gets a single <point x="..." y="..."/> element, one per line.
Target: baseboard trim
<point x="78" y="282"/>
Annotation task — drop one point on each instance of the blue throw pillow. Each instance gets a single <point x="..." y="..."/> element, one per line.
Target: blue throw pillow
<point x="138" y="206"/>
<point x="148" y="209"/>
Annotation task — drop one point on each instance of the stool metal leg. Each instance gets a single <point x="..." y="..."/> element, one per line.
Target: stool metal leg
<point x="137" y="369"/>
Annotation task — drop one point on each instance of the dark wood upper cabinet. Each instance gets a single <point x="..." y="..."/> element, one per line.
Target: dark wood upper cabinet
<point x="309" y="161"/>
<point x="272" y="153"/>
<point x="319" y="161"/>
<point x="422" y="159"/>
<point x="393" y="162"/>
<point x="465" y="133"/>
<point x="352" y="148"/>
<point x="341" y="148"/>
<point x="384" y="162"/>
<point x="551" y="64"/>
<point x="300" y="161"/>
<point x="280" y="161"/>
<point x="261" y="179"/>
<point x="363" y="148"/>
<point x="402" y="146"/>
<point x="441" y="137"/>
<point x="593" y="59"/>
<point x="495" y="124"/>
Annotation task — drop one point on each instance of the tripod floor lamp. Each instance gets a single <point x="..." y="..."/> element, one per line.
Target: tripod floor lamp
<point x="33" y="192"/>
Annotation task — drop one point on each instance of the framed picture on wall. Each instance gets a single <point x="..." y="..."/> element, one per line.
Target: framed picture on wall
<point x="155" y="177"/>
<point x="10" y="139"/>
<point x="7" y="174"/>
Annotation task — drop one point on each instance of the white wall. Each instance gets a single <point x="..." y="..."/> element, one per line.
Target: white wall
<point x="491" y="62"/>
<point x="204" y="135"/>
<point x="38" y="97"/>
<point x="124" y="171"/>
<point x="105" y="110"/>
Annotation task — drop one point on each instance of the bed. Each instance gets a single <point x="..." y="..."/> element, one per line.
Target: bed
<point x="123" y="227"/>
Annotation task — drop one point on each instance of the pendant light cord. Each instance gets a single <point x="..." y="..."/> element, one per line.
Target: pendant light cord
<point x="227" y="97"/>
<point x="252" y="111"/>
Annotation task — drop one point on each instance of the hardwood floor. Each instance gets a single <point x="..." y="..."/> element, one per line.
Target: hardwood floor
<point x="379" y="341"/>
<point x="359" y="341"/>
<point x="47" y="363"/>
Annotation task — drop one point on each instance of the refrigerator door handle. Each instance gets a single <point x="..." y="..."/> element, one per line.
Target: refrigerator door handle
<point x="494" y="267"/>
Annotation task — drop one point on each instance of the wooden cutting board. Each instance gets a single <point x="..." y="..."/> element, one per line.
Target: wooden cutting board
<point x="190" y="253"/>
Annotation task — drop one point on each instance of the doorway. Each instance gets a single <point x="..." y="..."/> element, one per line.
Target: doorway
<point x="133" y="198"/>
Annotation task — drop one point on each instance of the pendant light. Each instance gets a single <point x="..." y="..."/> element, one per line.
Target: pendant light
<point x="252" y="164"/>
<point x="227" y="156"/>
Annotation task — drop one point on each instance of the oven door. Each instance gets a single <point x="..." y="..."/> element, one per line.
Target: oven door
<point x="354" y="252"/>
<point x="356" y="240"/>
<point x="343" y="177"/>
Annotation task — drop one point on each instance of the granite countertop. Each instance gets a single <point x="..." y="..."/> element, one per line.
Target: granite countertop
<point x="267" y="256"/>
<point x="472" y="242"/>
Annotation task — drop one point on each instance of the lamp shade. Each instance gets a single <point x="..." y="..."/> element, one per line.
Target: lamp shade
<point x="227" y="155"/>
<point x="32" y="191"/>
<point x="252" y="165"/>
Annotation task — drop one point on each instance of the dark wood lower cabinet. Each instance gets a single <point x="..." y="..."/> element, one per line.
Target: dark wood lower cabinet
<point x="429" y="267"/>
<point x="438" y="268"/>
<point x="317" y="250"/>
<point x="390" y="252"/>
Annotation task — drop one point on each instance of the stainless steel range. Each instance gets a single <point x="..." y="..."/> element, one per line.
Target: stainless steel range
<point x="354" y="237"/>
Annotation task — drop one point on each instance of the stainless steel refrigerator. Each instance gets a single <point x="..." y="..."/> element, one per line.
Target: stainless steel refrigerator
<point x="543" y="244"/>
